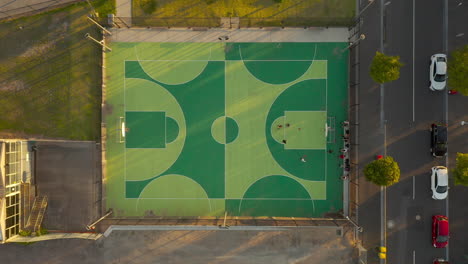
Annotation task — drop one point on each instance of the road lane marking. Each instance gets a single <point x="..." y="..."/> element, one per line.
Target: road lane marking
<point x="413" y="59"/>
<point x="383" y="230"/>
<point x="445" y="44"/>
<point x="414" y="256"/>
<point x="414" y="184"/>
<point x="385" y="138"/>
<point x="382" y="220"/>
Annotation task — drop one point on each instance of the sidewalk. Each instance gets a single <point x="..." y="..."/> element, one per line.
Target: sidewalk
<point x="124" y="10"/>
<point x="91" y="236"/>
<point x="371" y="135"/>
<point x="235" y="35"/>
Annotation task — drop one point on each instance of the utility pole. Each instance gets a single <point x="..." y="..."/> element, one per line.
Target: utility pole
<point x="97" y="41"/>
<point x="101" y="27"/>
<point x="352" y="44"/>
<point x="367" y="6"/>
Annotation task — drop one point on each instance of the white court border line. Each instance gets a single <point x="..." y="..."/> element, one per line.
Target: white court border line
<point x="125" y="143"/>
<point x="225" y="95"/>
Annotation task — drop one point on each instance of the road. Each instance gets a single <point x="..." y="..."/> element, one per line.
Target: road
<point x="397" y="123"/>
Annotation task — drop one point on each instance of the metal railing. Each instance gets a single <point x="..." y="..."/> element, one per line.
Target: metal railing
<point x="353" y="115"/>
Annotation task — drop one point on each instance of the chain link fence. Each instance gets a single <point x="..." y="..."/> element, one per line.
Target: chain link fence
<point x="225" y="223"/>
<point x="242" y="22"/>
<point x="295" y="22"/>
<point x="354" y="68"/>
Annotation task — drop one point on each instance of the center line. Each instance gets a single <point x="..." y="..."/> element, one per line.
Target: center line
<point x="413" y="59"/>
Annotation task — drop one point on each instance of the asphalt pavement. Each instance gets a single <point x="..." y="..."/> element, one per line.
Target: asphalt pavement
<point x="371" y="136"/>
<point x="458" y="138"/>
<point x="413" y="30"/>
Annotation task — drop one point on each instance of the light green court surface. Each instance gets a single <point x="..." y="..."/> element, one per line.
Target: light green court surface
<point x="206" y="123"/>
<point x="305" y="130"/>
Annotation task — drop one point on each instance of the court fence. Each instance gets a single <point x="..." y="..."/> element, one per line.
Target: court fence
<point x="222" y="222"/>
<point x="353" y="115"/>
<point x="226" y="22"/>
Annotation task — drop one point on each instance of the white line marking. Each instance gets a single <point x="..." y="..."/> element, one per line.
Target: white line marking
<point x="445" y="45"/>
<point x="146" y="111"/>
<point x="253" y="199"/>
<point x="125" y="143"/>
<point x="413" y="60"/>
<point x="298" y="111"/>
<point x="385" y="137"/>
<point x="414" y="186"/>
<point x="229" y="60"/>
<point x="225" y="127"/>
<point x="326" y="116"/>
<point x="414" y="256"/>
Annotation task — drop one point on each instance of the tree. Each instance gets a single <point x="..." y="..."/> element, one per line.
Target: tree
<point x="385" y="68"/>
<point x="460" y="173"/>
<point x="458" y="70"/>
<point x="383" y="172"/>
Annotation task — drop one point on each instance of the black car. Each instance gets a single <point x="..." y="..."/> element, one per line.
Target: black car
<point x="438" y="140"/>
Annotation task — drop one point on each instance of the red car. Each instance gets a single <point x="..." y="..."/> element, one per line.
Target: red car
<point x="440" y="261"/>
<point x="440" y="231"/>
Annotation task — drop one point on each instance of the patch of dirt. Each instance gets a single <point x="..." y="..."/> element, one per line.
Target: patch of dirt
<point x="107" y="109"/>
<point x="57" y="31"/>
<point x="5" y="133"/>
<point x="149" y="213"/>
<point x="38" y="50"/>
<point x="12" y="86"/>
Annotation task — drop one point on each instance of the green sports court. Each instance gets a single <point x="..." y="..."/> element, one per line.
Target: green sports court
<point x="204" y="129"/>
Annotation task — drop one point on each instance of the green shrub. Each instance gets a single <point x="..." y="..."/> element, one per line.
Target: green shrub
<point x="24" y="233"/>
<point x="148" y="6"/>
<point x="42" y="231"/>
<point x="458" y="70"/>
<point x="383" y="172"/>
<point x="104" y="7"/>
<point x="460" y="173"/>
<point x="385" y="68"/>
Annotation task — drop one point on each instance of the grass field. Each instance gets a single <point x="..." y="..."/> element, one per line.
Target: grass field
<point x="50" y="75"/>
<point x="258" y="12"/>
<point x="199" y="129"/>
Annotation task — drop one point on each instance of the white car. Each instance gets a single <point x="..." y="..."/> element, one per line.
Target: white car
<point x="438" y="72"/>
<point x="439" y="182"/>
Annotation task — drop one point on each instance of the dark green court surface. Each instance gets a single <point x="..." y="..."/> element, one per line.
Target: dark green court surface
<point x="247" y="129"/>
<point x="145" y="129"/>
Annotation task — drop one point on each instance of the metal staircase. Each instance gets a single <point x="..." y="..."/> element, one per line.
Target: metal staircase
<point x="37" y="214"/>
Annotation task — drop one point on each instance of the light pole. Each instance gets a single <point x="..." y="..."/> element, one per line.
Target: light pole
<point x="352" y="44"/>
<point x="88" y="36"/>
<point x="367" y="6"/>
<point x="359" y="228"/>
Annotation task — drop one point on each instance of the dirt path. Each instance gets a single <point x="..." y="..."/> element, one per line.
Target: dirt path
<point x="296" y="245"/>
